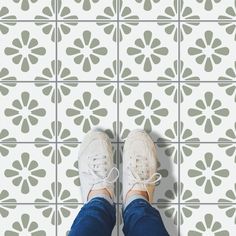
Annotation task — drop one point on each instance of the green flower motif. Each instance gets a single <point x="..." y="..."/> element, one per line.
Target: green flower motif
<point x="208" y="227"/>
<point x="4" y="207"/>
<point x="147" y="4"/>
<point x="63" y="196"/>
<point x="110" y="75"/>
<point x="171" y="14"/>
<point x="163" y="172"/>
<point x="208" y="112"/>
<point x="186" y="136"/>
<point x="74" y="173"/>
<point x="147" y="112"/>
<point x="49" y="27"/>
<point x="147" y="51"/>
<point x="25" y="51"/>
<point x="26" y="227"/>
<point x="6" y="81"/>
<point x="208" y="51"/>
<point x="87" y="4"/>
<point x="63" y="148"/>
<point x="87" y="51"/>
<point x="230" y="148"/>
<point x="25" y="112"/>
<point x="86" y="112"/>
<point x="170" y="27"/>
<point x="190" y="81"/>
<point x="230" y="196"/>
<point x="186" y="14"/>
<point x="6" y="142"/>
<point x="171" y="74"/>
<point x="208" y="4"/>
<point x="208" y="173"/>
<point x="225" y="81"/>
<point x="123" y="133"/>
<point x="230" y="210"/>
<point x="25" y="4"/>
<point x="230" y="15"/>
<point x="110" y="13"/>
<point x="48" y="74"/>
<point x="171" y="196"/>
<point x="25" y="173"/>
<point x="4" y="15"/>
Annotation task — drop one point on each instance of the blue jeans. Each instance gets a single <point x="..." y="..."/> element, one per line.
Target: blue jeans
<point x="98" y="217"/>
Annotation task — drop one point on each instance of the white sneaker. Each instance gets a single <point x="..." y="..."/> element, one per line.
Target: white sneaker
<point x="96" y="164"/>
<point x="139" y="164"/>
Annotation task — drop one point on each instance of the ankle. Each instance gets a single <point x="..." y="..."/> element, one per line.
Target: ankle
<point x="137" y="193"/>
<point x="94" y="193"/>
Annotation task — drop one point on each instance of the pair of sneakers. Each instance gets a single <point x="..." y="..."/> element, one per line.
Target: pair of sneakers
<point x="97" y="171"/>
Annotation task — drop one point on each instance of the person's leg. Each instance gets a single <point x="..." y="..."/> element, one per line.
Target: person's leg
<point x="140" y="218"/>
<point x="97" y="177"/>
<point x="139" y="178"/>
<point x="97" y="217"/>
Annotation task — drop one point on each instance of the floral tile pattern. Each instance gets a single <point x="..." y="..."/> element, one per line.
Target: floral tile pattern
<point x="209" y="220"/>
<point x="87" y="51"/>
<point x="25" y="173"/>
<point x="88" y="9"/>
<point x="153" y="9"/>
<point x="26" y="50"/>
<point x="25" y="112"/>
<point x="208" y="50"/>
<point x="149" y="50"/>
<point x="146" y="107"/>
<point x="25" y="9"/>
<point x="26" y="220"/>
<point x="209" y="112"/>
<point x="87" y="107"/>
<point x="207" y="172"/>
<point x="166" y="66"/>
<point x="211" y="9"/>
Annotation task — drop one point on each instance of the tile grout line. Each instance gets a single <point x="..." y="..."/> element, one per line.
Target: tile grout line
<point x="56" y="110"/>
<point x="128" y="21"/>
<point x="179" y="97"/>
<point x="120" y="81"/>
<point x="120" y="142"/>
<point x="118" y="113"/>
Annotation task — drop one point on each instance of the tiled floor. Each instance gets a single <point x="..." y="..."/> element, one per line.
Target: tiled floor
<point x="170" y="70"/>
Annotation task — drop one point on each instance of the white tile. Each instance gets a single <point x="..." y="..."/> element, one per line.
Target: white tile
<point x="208" y="219"/>
<point x="97" y="110"/>
<point x="25" y="112"/>
<point x="208" y="173"/>
<point x="208" y="58"/>
<point x="210" y="121"/>
<point x="158" y="115"/>
<point x="37" y="49"/>
<point x="152" y="48"/>
<point x="26" y="219"/>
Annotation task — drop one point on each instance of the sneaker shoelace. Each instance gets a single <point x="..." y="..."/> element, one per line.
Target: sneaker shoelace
<point x="139" y="173"/>
<point x="97" y="167"/>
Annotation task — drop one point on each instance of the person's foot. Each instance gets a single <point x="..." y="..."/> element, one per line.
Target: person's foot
<point x="139" y="166"/>
<point x="96" y="170"/>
